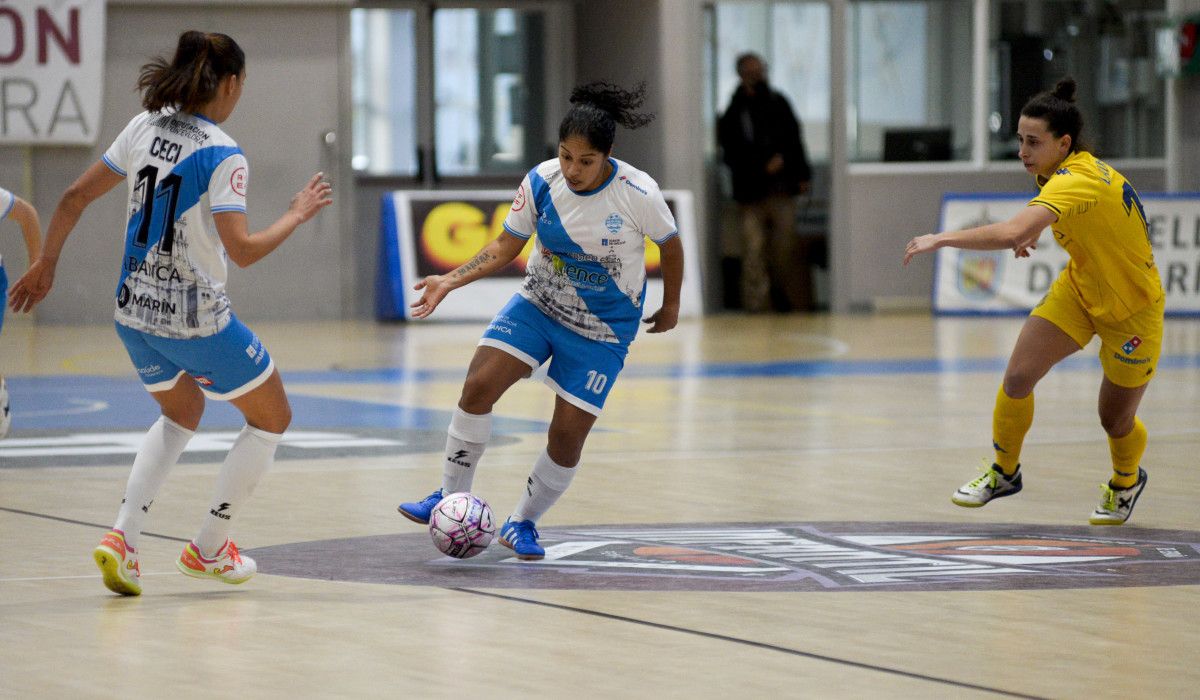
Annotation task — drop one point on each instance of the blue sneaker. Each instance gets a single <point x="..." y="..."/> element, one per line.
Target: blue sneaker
<point x="420" y="511"/>
<point x="522" y="537"/>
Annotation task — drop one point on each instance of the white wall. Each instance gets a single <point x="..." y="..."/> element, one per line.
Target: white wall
<point x="291" y="99"/>
<point x="885" y="210"/>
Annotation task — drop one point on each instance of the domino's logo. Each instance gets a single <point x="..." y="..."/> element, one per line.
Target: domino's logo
<point x="1131" y="345"/>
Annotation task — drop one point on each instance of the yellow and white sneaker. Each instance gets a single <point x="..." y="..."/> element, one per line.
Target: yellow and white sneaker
<point x="992" y="484"/>
<point x="228" y="566"/>
<point x="1116" y="505"/>
<point x="119" y="564"/>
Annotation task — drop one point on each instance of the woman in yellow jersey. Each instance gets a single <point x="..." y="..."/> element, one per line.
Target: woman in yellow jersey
<point x="1110" y="288"/>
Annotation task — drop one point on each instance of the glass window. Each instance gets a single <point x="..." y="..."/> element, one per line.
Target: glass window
<point x="793" y="38"/>
<point x="910" y="80"/>
<point x="489" y="115"/>
<point x="384" y="91"/>
<point x="1107" y="47"/>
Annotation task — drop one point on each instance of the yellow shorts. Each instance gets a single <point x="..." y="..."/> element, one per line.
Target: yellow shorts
<point x="1129" y="349"/>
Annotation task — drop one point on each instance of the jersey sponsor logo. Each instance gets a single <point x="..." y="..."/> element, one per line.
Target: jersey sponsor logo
<point x="162" y="273"/>
<point x="149" y="369"/>
<point x="191" y="132"/>
<point x="202" y="380"/>
<point x="632" y="184"/>
<point x="785" y="557"/>
<point x="519" y="201"/>
<point x="1131" y="345"/>
<point x="237" y="181"/>
<point x="577" y="276"/>
<point x="1130" y="360"/>
<point x="126" y="298"/>
<point x="614" y="222"/>
<point x="1062" y="171"/>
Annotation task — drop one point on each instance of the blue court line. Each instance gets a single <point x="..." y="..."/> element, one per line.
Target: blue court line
<point x="81" y="402"/>
<point x="785" y="368"/>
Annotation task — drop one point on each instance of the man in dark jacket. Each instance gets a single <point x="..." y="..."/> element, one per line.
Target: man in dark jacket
<point x="761" y="143"/>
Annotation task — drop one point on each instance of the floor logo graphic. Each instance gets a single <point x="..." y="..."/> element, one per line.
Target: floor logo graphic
<point x="775" y="557"/>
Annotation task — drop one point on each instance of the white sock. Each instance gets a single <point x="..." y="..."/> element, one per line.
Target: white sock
<point x="160" y="451"/>
<point x="249" y="458"/>
<point x="465" y="442"/>
<point x="546" y="483"/>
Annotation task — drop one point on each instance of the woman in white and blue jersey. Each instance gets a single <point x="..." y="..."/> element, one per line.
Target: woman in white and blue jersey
<point x="187" y="183"/>
<point x="22" y="212"/>
<point x="589" y="215"/>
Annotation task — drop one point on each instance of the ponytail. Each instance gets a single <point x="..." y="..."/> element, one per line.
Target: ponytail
<point x="190" y="79"/>
<point x="596" y="110"/>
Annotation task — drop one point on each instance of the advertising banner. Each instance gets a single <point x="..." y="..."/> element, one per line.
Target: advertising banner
<point x="432" y="232"/>
<point x="51" y="71"/>
<point x="996" y="282"/>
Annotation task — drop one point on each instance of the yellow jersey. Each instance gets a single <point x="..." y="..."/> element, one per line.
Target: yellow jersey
<point x="1102" y="226"/>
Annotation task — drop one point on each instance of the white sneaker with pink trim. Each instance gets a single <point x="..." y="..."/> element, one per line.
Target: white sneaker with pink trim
<point x="228" y="565"/>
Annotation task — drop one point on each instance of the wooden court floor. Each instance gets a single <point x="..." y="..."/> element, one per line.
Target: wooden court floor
<point x="763" y="511"/>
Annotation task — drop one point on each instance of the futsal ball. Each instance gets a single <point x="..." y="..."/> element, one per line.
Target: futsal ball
<point x="461" y="525"/>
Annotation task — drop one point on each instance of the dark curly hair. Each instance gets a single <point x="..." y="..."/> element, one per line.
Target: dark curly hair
<point x="1057" y="108"/>
<point x="597" y="108"/>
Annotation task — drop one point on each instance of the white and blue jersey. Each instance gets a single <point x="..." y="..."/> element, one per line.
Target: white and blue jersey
<point x="181" y="169"/>
<point x="588" y="268"/>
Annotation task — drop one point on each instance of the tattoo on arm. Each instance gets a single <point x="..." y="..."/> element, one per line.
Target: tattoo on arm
<point x="483" y="258"/>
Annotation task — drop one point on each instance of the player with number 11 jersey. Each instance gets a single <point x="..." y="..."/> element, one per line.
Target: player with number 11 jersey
<point x="181" y="169"/>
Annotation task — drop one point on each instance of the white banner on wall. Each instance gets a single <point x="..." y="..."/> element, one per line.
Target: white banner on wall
<point x="436" y="231"/>
<point x="51" y="71"/>
<point x="996" y="282"/>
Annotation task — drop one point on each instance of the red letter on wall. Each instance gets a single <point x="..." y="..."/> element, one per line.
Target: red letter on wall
<point x="46" y="27"/>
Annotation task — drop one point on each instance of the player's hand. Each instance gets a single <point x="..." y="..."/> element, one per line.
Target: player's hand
<point x="664" y="319"/>
<point x="436" y="288"/>
<point x="1022" y="251"/>
<point x="920" y="244"/>
<point x="315" y="196"/>
<point x="33" y="286"/>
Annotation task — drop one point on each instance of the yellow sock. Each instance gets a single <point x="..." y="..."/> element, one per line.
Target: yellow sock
<point x="1010" y="422"/>
<point x="1127" y="454"/>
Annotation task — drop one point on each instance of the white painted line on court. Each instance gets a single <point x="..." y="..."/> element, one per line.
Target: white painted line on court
<point x="63" y="578"/>
<point x="82" y="406"/>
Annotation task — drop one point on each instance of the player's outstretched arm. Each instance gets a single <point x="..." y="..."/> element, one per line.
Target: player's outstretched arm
<point x="35" y="284"/>
<point x="31" y="227"/>
<point x="672" y="271"/>
<point x="245" y="248"/>
<point x="1020" y="233"/>
<point x="492" y="257"/>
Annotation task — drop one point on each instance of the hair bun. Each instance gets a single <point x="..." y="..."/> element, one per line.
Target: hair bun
<point x="1065" y="89"/>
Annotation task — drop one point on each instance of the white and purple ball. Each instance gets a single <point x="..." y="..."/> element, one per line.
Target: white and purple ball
<point x="461" y="525"/>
